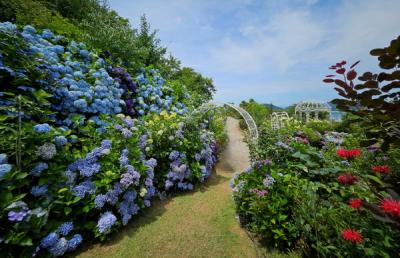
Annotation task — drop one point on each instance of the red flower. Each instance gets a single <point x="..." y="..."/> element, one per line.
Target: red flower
<point x="353" y="153"/>
<point x="391" y="206"/>
<point x="347" y="179"/>
<point x="355" y="203"/>
<point x="352" y="235"/>
<point x="381" y="169"/>
<point x="342" y="153"/>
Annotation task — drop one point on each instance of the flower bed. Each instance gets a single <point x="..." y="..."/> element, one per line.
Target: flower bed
<point x="320" y="192"/>
<point x="85" y="147"/>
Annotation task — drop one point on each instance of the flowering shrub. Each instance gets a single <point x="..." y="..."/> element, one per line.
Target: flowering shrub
<point x="320" y="196"/>
<point x="155" y="95"/>
<point x="74" y="167"/>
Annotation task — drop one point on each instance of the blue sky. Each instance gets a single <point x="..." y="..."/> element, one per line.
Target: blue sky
<point x="275" y="51"/>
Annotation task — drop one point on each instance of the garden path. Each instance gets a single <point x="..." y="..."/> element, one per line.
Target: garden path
<point x="200" y="223"/>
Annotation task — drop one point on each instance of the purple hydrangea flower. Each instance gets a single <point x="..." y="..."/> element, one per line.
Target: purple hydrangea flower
<point x="18" y="215"/>
<point x="268" y="181"/>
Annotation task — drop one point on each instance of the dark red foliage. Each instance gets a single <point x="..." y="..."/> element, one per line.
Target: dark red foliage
<point x="341" y="71"/>
<point x="351" y="75"/>
<point x="353" y="65"/>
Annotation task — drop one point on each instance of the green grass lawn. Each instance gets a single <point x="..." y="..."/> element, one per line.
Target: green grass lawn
<point x="197" y="224"/>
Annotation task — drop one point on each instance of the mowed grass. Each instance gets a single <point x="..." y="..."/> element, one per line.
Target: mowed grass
<point x="197" y="224"/>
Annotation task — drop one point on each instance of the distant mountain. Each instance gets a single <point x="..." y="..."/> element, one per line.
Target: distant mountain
<point x="273" y="107"/>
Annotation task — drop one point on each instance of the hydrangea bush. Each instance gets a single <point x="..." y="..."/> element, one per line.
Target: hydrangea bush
<point x="84" y="147"/>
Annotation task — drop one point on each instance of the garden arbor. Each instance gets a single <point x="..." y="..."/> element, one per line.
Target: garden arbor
<point x="248" y="119"/>
<point x="279" y="119"/>
<point x="307" y="108"/>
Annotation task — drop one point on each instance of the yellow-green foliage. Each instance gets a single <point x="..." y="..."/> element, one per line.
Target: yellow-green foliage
<point x="36" y="14"/>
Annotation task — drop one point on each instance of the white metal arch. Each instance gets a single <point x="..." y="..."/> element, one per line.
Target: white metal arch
<point x="308" y="107"/>
<point x="279" y="120"/>
<point x="248" y="119"/>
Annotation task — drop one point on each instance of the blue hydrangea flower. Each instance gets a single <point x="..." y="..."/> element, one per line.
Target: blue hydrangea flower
<point x="80" y="104"/>
<point x="65" y="228"/>
<point x="174" y="155"/>
<point x="86" y="187"/>
<point x="49" y="240"/>
<point x="60" y="140"/>
<point x="59" y="248"/>
<point x="40" y="166"/>
<point x="42" y="128"/>
<point x="147" y="203"/>
<point x="39" y="190"/>
<point x="106" y="221"/>
<point x="4" y="169"/>
<point x="130" y="196"/>
<point x="3" y="158"/>
<point x="106" y="144"/>
<point x="74" y="242"/>
<point x="151" y="162"/>
<point x="100" y="200"/>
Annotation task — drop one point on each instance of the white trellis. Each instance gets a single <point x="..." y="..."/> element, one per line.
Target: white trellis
<point x="248" y="119"/>
<point x="279" y="119"/>
<point x="308" y="107"/>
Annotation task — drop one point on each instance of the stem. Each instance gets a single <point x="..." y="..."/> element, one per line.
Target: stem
<point x="18" y="152"/>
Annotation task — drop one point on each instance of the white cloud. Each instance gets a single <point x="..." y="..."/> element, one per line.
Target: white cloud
<point x="360" y="27"/>
<point x="285" y="47"/>
<point x="285" y="40"/>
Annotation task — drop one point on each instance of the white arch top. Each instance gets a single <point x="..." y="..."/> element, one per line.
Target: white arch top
<point x="310" y="106"/>
<point x="279" y="119"/>
<point x="251" y="125"/>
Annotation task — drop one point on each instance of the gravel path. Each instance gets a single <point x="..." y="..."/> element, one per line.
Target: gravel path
<point x="197" y="224"/>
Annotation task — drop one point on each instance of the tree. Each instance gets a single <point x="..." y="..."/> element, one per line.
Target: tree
<point x="149" y="48"/>
<point x="375" y="101"/>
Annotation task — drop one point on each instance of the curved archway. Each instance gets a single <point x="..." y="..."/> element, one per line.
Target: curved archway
<point x="248" y="119"/>
<point x="279" y="119"/>
<point x="308" y="107"/>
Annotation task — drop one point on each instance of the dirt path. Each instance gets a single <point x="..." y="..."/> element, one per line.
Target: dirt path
<point x="197" y="224"/>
